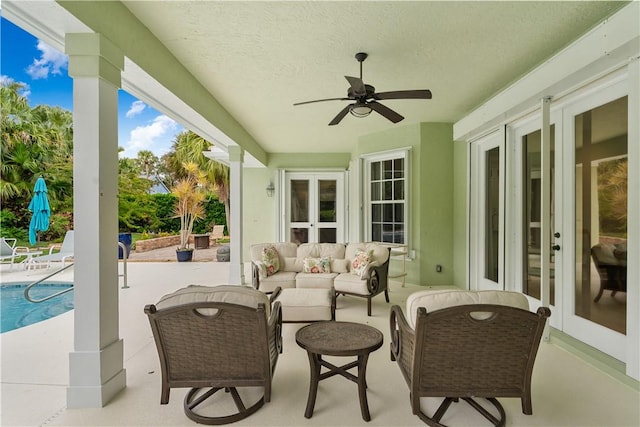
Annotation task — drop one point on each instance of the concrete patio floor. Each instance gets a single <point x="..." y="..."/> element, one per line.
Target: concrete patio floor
<point x="566" y="390"/>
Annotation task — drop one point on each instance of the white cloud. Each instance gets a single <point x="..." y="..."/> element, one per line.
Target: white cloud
<point x="136" y="108"/>
<point x="6" y="81"/>
<point x="151" y="137"/>
<point x="50" y="61"/>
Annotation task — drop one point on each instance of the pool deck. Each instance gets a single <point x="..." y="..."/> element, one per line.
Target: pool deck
<point x="567" y="391"/>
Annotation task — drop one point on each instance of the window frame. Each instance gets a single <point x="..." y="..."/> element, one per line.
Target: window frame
<point x="367" y="160"/>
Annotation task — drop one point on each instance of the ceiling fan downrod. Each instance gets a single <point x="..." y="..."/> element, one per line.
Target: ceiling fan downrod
<point x="361" y="56"/>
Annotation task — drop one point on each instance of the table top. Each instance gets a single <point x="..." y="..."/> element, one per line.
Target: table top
<point x="339" y="338"/>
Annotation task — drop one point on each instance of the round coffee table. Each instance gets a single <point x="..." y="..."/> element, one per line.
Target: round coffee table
<point x="338" y="339"/>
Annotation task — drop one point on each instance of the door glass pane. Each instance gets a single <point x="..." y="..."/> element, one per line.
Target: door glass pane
<point x="299" y="235"/>
<point x="601" y="215"/>
<point x="532" y="183"/>
<point x="327" y="235"/>
<point x="299" y="200"/>
<point x="327" y="200"/>
<point x="492" y="213"/>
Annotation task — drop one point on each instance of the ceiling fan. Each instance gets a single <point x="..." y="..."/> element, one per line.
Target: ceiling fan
<point x="366" y="99"/>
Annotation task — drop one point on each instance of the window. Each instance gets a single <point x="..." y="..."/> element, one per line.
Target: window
<point x="386" y="197"/>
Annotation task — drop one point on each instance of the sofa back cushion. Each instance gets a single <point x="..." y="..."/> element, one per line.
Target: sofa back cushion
<point x="285" y="249"/>
<point x="319" y="250"/>
<point x="232" y="294"/>
<point x="293" y="264"/>
<point x="433" y="300"/>
<point x="379" y="253"/>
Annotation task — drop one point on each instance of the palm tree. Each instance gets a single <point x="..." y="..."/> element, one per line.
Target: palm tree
<point x="34" y="141"/>
<point x="189" y="147"/>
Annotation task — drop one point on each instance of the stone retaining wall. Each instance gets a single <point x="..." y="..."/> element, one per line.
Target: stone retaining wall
<point x="162" y="242"/>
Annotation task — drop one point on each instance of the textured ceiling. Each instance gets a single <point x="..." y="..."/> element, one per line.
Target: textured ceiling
<point x="258" y="58"/>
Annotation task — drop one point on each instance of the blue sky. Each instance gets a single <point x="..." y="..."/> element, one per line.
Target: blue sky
<point x="43" y="71"/>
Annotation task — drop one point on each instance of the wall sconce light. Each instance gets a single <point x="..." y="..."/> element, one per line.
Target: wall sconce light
<point x="270" y="189"/>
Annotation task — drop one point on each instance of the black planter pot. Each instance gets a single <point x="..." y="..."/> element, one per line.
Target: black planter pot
<point x="184" y="255"/>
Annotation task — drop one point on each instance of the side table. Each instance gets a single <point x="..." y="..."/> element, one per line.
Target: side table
<point x="338" y="339"/>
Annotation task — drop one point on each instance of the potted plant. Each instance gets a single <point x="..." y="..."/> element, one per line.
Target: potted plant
<point x="190" y="193"/>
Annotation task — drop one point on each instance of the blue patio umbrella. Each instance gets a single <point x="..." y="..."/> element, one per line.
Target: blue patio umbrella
<point x="39" y="206"/>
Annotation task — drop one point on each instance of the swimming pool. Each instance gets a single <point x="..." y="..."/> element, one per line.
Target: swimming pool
<point x="17" y="312"/>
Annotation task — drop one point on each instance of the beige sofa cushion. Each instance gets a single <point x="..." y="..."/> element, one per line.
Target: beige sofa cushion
<point x="347" y="282"/>
<point x="293" y="264"/>
<point x="433" y="300"/>
<point x="317" y="250"/>
<point x="380" y="253"/>
<point x="284" y="250"/>
<point x="315" y="280"/>
<point x="301" y="305"/>
<point x="232" y="294"/>
<point x="339" y="265"/>
<point x="284" y="279"/>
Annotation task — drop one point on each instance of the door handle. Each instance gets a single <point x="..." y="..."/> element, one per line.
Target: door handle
<point x="555" y="247"/>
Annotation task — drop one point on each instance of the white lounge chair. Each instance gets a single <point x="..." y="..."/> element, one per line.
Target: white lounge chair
<point x="218" y="233"/>
<point x="9" y="251"/>
<point x="65" y="254"/>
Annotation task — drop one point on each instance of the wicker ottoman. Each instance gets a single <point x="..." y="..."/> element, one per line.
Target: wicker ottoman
<point x="307" y="304"/>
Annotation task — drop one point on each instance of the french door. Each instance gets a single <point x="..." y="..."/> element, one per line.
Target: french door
<point x="589" y="169"/>
<point x="314" y="207"/>
<point x="487" y="212"/>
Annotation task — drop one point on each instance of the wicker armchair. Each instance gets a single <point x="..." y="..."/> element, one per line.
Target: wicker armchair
<point x="465" y="344"/>
<point x="223" y="337"/>
<point x="611" y="263"/>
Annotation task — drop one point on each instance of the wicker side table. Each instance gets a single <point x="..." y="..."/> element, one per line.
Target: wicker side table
<point x="338" y="339"/>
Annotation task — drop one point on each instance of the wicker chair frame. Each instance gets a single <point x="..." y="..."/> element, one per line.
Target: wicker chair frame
<point x="454" y="354"/>
<point x="236" y="346"/>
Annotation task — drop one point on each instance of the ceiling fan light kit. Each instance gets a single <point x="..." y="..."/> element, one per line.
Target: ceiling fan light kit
<point x="366" y="99"/>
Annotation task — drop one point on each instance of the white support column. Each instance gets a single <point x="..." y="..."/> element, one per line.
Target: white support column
<point x="236" y="267"/>
<point x="96" y="372"/>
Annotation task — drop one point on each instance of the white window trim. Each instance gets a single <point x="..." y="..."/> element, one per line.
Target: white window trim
<point x="365" y="161"/>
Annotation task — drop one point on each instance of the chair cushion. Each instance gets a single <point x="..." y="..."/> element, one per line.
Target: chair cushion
<point x="293" y="264"/>
<point x="433" y="300"/>
<point x="347" y="282"/>
<point x="315" y="280"/>
<point x="285" y="249"/>
<point x="305" y="304"/>
<point x="340" y="265"/>
<point x="284" y="279"/>
<point x="379" y="255"/>
<point x="232" y="294"/>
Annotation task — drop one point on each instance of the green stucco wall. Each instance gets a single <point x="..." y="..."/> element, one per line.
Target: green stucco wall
<point x="431" y="196"/>
<point x="436" y="204"/>
<point x="259" y="211"/>
<point x="437" y="198"/>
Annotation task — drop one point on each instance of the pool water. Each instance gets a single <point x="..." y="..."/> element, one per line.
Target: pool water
<point x="16" y="312"/>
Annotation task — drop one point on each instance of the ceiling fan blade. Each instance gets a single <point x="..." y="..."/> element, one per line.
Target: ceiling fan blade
<point x="357" y="85"/>
<point x="385" y="111"/>
<point x="404" y="94"/>
<point x="322" y="100"/>
<point x="340" y="115"/>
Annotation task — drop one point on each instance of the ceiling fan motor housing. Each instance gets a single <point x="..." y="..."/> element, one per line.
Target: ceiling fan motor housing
<point x="368" y="88"/>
